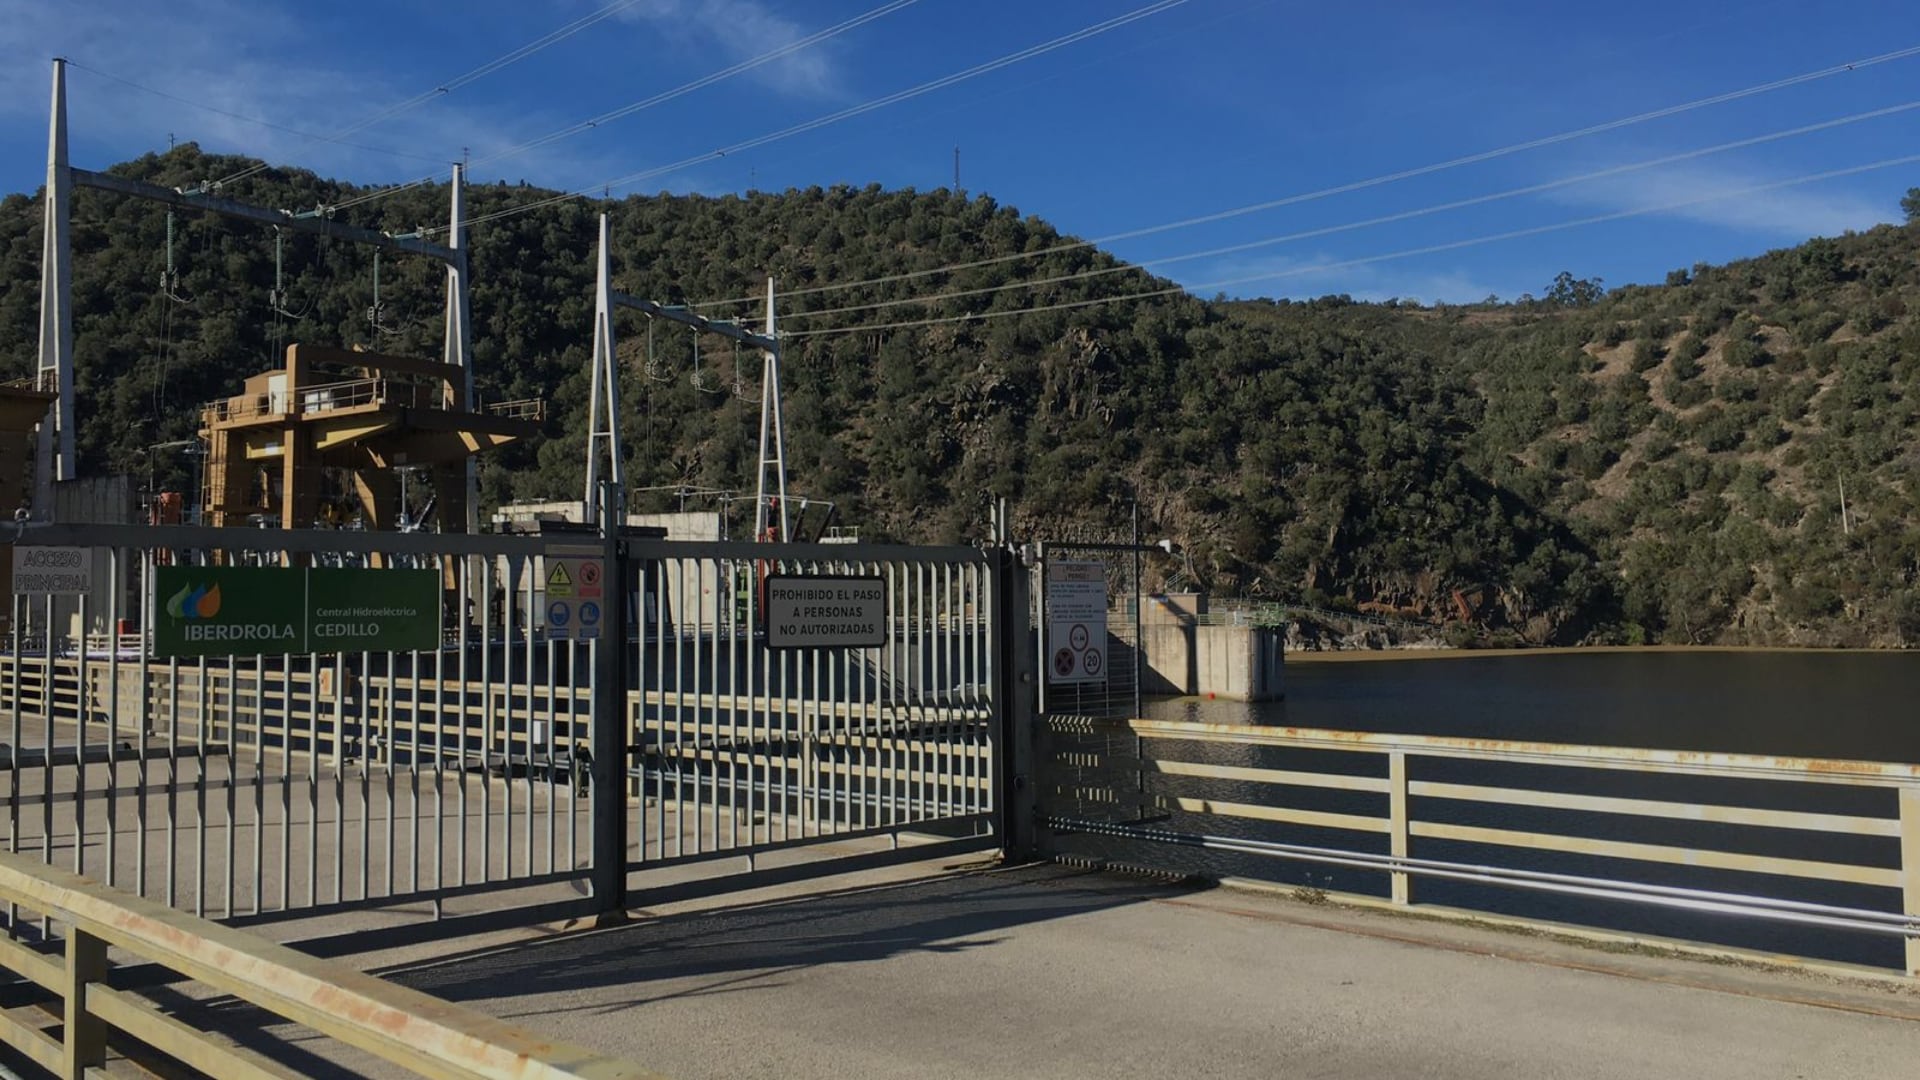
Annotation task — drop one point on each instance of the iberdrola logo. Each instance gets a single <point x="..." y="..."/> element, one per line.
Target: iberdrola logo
<point x="195" y="602"/>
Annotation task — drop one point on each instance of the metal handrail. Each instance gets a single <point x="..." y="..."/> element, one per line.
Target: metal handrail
<point x="1086" y="784"/>
<point x="425" y="1035"/>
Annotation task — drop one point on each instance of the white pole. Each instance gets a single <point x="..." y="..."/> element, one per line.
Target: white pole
<point x="55" y="460"/>
<point x="603" y="425"/>
<point x="772" y="437"/>
<point x="459" y="343"/>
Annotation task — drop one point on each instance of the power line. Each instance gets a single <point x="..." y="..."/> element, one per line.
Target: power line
<point x="848" y="113"/>
<point x="1432" y="249"/>
<point x="658" y="99"/>
<point x="497" y="63"/>
<point x="1404" y="215"/>
<point x="1360" y="185"/>
<point x="242" y="117"/>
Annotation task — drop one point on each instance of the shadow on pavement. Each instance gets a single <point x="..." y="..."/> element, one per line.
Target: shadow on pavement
<point x="752" y="947"/>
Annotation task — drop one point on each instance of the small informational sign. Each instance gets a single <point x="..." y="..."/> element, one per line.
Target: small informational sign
<point x="575" y="592"/>
<point x="268" y="610"/>
<point x="52" y="571"/>
<point x="825" y="612"/>
<point x="1076" y="622"/>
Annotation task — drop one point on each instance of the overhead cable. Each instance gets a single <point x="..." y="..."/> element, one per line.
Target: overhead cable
<point x="552" y="37"/>
<point x="657" y="99"/>
<point x="845" y="114"/>
<point x="1317" y="268"/>
<point x="1359" y="185"/>
<point x="1404" y="215"/>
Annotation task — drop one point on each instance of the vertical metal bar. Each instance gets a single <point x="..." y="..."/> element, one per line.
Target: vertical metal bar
<point x="115" y="560"/>
<point x="465" y="616"/>
<point x="413" y="757"/>
<point x="147" y="710"/>
<point x="201" y="713"/>
<point x="533" y="718"/>
<point x="487" y="587"/>
<point x="1397" y="819"/>
<point x="233" y="779"/>
<point x="609" y="709"/>
<point x="173" y="770"/>
<point x="260" y="780"/>
<point x="286" y="783"/>
<point x="509" y="593"/>
<point x="80" y="743"/>
<point x="50" y="690"/>
<point x="1910" y="869"/>
<point x="313" y="780"/>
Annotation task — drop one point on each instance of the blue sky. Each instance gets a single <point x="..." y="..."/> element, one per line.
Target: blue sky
<point x="1207" y="106"/>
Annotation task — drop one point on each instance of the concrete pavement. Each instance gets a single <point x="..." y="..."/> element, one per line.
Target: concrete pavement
<point x="1053" y="972"/>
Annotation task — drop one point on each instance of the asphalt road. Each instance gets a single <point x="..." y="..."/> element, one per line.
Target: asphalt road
<point x="1051" y="972"/>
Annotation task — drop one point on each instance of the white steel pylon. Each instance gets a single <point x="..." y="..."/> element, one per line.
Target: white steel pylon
<point x="603" y="415"/>
<point x="773" y="454"/>
<point x="459" y="342"/>
<point x="55" y="457"/>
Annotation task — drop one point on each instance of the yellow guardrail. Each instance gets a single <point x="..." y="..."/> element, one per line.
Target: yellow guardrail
<point x="406" y="1028"/>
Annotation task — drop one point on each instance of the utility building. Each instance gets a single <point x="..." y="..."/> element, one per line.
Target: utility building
<point x="302" y="443"/>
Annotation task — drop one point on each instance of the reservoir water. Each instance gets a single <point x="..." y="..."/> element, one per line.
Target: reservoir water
<point x="1819" y="704"/>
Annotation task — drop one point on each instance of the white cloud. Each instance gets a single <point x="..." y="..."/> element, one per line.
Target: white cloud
<point x="1789" y="212"/>
<point x="255" y="65"/>
<point x="744" y="29"/>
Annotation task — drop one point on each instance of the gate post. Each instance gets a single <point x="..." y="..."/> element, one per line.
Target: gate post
<point x="1017" y="671"/>
<point x="608" y="805"/>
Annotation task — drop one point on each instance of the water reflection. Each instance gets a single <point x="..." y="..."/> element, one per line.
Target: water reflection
<point x="1824" y="704"/>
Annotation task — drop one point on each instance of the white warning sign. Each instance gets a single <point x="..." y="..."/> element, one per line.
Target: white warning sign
<point x="1076" y="622"/>
<point x="52" y="571"/>
<point x="825" y="612"/>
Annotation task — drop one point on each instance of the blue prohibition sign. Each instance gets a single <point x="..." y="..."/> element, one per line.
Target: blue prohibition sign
<point x="559" y="612"/>
<point x="589" y="613"/>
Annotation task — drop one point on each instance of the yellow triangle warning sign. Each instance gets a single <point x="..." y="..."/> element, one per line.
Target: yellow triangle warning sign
<point x="559" y="582"/>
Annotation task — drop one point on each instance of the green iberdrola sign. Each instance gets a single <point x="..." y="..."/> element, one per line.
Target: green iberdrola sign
<point x="252" y="610"/>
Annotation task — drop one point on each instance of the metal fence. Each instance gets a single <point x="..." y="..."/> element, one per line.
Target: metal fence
<point x="515" y="754"/>
<point x="258" y="786"/>
<point x="1768" y="853"/>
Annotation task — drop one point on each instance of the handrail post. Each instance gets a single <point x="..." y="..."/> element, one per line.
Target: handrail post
<point x="1910" y="871"/>
<point x="85" y="1042"/>
<point x="1397" y="820"/>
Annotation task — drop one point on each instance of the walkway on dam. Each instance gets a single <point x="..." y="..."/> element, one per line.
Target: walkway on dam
<point x="1050" y="971"/>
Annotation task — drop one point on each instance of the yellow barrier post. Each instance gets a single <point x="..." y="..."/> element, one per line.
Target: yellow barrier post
<point x="85" y="1038"/>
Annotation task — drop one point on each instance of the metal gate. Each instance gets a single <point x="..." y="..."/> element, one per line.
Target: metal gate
<point x="743" y="748"/>
<point x="517" y="771"/>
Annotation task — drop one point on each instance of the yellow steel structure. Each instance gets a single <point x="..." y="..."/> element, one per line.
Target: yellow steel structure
<point x="363" y="414"/>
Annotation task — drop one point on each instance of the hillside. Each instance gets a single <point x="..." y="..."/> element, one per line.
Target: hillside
<point x="1661" y="463"/>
